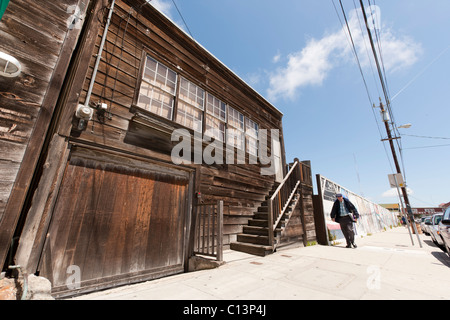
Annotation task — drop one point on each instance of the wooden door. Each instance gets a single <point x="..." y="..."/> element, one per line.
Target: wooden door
<point x="115" y="221"/>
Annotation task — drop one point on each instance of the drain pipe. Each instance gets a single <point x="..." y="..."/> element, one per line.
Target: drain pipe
<point x="99" y="55"/>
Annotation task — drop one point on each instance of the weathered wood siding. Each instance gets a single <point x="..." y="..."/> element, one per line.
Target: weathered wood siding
<point x="301" y="227"/>
<point x="134" y="31"/>
<point x="41" y="35"/>
<point x="116" y="219"/>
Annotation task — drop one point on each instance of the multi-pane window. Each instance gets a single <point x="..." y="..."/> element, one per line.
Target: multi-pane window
<point x="194" y="106"/>
<point x="157" y="92"/>
<point x="235" y="131"/>
<point x="251" y="135"/>
<point x="215" y="128"/>
<point x="216" y="107"/>
<point x="190" y="105"/>
<point x="216" y="117"/>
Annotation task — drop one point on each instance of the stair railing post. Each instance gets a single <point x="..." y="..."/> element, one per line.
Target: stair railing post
<point x="220" y="231"/>
<point x="270" y="222"/>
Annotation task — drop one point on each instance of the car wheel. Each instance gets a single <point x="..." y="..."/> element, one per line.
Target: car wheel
<point x="434" y="240"/>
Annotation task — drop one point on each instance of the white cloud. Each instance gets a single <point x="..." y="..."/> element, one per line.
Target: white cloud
<point x="163" y="6"/>
<point x="312" y="64"/>
<point x="393" y="193"/>
<point x="276" y="58"/>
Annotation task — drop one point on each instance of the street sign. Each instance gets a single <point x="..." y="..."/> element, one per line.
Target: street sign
<point x="396" y="180"/>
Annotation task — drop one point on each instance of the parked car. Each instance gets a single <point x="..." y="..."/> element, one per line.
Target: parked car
<point x="424" y="225"/>
<point x="444" y="230"/>
<point x="433" y="229"/>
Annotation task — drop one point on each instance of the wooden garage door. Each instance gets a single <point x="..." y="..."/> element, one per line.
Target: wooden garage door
<point x="116" y="221"/>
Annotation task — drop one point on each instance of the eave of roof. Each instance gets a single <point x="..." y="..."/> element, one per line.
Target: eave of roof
<point x="143" y="2"/>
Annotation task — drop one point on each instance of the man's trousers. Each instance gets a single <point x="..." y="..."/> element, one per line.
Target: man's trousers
<point x="347" y="229"/>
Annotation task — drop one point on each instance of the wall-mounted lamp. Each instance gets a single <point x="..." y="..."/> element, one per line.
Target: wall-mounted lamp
<point x="84" y="114"/>
<point x="9" y="66"/>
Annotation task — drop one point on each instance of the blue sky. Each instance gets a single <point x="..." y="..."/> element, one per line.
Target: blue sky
<point x="296" y="54"/>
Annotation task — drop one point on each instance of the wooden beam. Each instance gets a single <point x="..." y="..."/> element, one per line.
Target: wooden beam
<point x="26" y="172"/>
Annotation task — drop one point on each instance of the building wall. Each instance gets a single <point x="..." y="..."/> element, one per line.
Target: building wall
<point x="129" y="132"/>
<point x="41" y="35"/>
<point x="139" y="30"/>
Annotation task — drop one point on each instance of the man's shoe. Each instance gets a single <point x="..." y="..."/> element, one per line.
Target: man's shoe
<point x="354" y="245"/>
<point x="349" y="246"/>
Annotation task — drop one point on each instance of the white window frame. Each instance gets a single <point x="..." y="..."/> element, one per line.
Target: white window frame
<point x="235" y="130"/>
<point x="155" y="89"/>
<point x="215" y="117"/>
<point x="188" y="105"/>
<point x="251" y="136"/>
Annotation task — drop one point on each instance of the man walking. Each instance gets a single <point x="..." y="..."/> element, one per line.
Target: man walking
<point x="345" y="213"/>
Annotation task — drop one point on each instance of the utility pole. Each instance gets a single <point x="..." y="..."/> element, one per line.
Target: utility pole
<point x="386" y="120"/>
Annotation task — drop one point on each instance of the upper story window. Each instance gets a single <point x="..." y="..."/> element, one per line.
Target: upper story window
<point x="158" y="86"/>
<point x="196" y="109"/>
<point x="251" y="135"/>
<point x="191" y="101"/>
<point x="216" y="107"/>
<point x="235" y="131"/>
<point x="216" y="117"/>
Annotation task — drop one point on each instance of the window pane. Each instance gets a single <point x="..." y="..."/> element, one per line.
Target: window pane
<point x="192" y="94"/>
<point x="235" y="138"/>
<point x="251" y="133"/>
<point x="156" y="101"/>
<point x="160" y="76"/>
<point x="252" y="146"/>
<point x="189" y="116"/>
<point x="251" y="128"/>
<point x="235" y="119"/>
<point x="216" y="127"/>
<point x="157" y="89"/>
<point x="216" y="107"/>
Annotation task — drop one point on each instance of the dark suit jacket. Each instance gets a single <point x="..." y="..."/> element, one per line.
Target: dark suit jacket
<point x="336" y="213"/>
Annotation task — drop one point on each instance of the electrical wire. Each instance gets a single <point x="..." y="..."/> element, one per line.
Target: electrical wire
<point x="182" y="18"/>
<point x="427" y="137"/>
<point x="355" y="53"/>
<point x="426" y="147"/>
<point x="420" y="73"/>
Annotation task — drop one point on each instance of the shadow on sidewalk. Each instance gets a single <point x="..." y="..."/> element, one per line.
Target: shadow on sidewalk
<point x="439" y="254"/>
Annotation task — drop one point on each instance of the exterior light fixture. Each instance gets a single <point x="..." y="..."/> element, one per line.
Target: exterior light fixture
<point x="405" y="126"/>
<point x="9" y="66"/>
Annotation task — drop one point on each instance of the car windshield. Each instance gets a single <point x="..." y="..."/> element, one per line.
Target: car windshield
<point x="447" y="214"/>
<point x="437" y="219"/>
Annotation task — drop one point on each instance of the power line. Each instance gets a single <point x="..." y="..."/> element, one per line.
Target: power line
<point x="352" y="43"/>
<point x="355" y="53"/>
<point x="374" y="51"/>
<point x="427" y="147"/>
<point x="427" y="137"/>
<point x="420" y="73"/>
<point x="184" y="21"/>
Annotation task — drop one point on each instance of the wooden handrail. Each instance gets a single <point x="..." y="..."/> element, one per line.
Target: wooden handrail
<point x="282" y="197"/>
<point x="284" y="180"/>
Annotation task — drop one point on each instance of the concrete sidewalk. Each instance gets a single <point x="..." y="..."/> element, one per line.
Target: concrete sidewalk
<point x="384" y="266"/>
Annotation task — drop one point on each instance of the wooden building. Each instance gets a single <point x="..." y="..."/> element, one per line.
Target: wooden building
<point x="91" y="195"/>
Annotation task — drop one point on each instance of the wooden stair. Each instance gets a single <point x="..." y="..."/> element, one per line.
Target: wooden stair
<point x="254" y="238"/>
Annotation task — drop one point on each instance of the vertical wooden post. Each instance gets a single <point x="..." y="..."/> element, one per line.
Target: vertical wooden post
<point x="270" y="221"/>
<point x="220" y="231"/>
